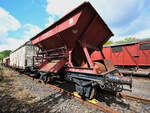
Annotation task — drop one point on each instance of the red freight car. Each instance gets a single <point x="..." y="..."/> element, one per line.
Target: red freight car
<point x="65" y="49"/>
<point x="133" y="54"/>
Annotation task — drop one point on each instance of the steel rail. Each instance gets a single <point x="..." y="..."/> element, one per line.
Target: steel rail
<point x="124" y="95"/>
<point x="101" y="107"/>
<point x="109" y="110"/>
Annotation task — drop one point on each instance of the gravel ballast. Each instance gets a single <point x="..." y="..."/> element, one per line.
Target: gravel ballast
<point x="19" y="94"/>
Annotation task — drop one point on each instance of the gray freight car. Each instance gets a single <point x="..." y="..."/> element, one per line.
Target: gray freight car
<point x="23" y="57"/>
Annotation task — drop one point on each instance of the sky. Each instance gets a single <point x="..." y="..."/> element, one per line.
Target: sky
<point x="20" y="20"/>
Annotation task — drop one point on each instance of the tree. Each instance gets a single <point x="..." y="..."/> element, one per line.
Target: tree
<point x="109" y="42"/>
<point x="1" y="56"/>
<point x="130" y="39"/>
<point x="4" y="53"/>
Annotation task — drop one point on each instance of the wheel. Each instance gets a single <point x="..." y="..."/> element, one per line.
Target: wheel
<point x="45" y="79"/>
<point x="93" y="93"/>
<point x="62" y="74"/>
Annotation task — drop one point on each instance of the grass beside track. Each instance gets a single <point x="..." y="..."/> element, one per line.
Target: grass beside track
<point x="1" y="73"/>
<point x="13" y="98"/>
<point x="19" y="94"/>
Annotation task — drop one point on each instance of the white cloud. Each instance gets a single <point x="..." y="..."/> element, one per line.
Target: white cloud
<point x="61" y="7"/>
<point x="30" y="30"/>
<point x="140" y="24"/>
<point x="113" y="12"/>
<point x="117" y="11"/>
<point x="124" y="17"/>
<point x="50" y="21"/>
<point x="7" y="23"/>
<point x="10" y="23"/>
<point x="142" y="34"/>
<point x="12" y="44"/>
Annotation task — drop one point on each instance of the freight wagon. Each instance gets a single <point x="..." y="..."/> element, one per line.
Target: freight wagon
<point x="23" y="58"/>
<point x="133" y="55"/>
<point x="66" y="47"/>
<point x="6" y="61"/>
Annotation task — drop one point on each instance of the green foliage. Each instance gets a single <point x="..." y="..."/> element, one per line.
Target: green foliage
<point x="130" y="39"/>
<point x="1" y="56"/>
<point x="4" y="53"/>
<point x="125" y="40"/>
<point x="108" y="42"/>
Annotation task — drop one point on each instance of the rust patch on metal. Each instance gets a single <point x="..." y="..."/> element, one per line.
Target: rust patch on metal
<point x="109" y="65"/>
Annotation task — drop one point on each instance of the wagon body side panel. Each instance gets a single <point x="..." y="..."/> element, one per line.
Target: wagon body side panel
<point x="134" y="54"/>
<point x="144" y="53"/>
<point x="30" y="53"/>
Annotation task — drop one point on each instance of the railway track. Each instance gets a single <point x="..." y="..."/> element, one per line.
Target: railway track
<point x="124" y="95"/>
<point x="106" y="109"/>
<point x="139" y="78"/>
<point x="86" y="102"/>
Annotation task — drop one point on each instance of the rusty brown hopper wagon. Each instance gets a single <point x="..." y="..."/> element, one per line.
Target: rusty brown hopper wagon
<point x="65" y="48"/>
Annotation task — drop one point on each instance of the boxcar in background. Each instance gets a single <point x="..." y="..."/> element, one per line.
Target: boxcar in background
<point x="6" y="61"/>
<point x="133" y="55"/>
<point x="23" y="56"/>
